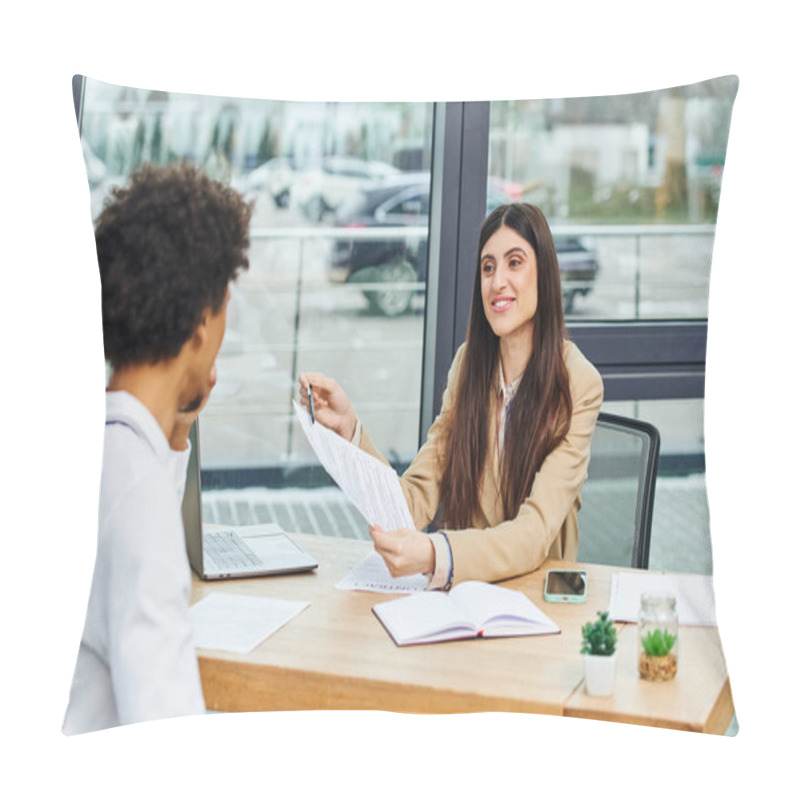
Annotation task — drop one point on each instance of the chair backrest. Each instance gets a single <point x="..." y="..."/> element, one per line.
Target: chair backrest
<point x="616" y="515"/>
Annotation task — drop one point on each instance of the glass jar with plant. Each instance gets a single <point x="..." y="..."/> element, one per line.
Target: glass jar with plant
<point x="658" y="638"/>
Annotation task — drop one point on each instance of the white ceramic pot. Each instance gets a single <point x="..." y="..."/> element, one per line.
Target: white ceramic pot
<point x="598" y="672"/>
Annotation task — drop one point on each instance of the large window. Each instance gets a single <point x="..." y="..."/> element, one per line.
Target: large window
<point x="363" y="250"/>
<point x="631" y="186"/>
<point x="337" y="276"/>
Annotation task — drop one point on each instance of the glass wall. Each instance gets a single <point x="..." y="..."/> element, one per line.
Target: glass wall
<point x="340" y="262"/>
<point x="630" y="185"/>
<point x="336" y="280"/>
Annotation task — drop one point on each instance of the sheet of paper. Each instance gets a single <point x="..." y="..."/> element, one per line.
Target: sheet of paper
<point x="372" y="486"/>
<point x="372" y="575"/>
<point x="238" y="623"/>
<point x="694" y="596"/>
<point x="374" y="489"/>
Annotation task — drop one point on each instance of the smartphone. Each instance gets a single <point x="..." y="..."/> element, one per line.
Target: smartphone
<point x="565" y="586"/>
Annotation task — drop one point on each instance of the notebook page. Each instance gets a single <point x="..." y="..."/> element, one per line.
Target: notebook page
<point x="483" y="601"/>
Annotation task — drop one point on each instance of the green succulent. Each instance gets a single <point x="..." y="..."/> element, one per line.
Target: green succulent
<point x="658" y="642"/>
<point x="599" y="637"/>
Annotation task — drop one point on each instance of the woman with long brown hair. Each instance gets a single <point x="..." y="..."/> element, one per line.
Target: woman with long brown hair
<point x="502" y="468"/>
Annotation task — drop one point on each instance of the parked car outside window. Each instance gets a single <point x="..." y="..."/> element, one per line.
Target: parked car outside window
<point x="400" y="262"/>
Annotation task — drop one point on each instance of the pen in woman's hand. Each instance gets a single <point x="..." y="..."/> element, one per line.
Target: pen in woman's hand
<point x="311" y="402"/>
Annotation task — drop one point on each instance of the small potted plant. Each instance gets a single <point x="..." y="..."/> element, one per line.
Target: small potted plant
<point x="599" y="654"/>
<point x="657" y="659"/>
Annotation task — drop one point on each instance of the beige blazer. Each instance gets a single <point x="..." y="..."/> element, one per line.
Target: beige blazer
<point x="546" y="525"/>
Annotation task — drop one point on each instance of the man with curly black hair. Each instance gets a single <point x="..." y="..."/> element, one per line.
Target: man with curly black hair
<point x="168" y="245"/>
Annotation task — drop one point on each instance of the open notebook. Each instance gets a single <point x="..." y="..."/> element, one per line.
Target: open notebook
<point x="471" y="610"/>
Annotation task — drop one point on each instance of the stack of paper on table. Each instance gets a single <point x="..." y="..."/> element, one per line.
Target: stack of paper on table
<point x="238" y="623"/>
<point x="471" y="610"/>
<point x="694" y="596"/>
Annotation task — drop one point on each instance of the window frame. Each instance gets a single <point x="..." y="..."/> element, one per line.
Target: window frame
<point x="637" y="360"/>
<point x="650" y="360"/>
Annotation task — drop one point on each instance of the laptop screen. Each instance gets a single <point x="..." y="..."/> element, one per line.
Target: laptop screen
<point x="192" y="505"/>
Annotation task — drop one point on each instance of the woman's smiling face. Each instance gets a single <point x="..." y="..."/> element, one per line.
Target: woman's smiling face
<point x="509" y="283"/>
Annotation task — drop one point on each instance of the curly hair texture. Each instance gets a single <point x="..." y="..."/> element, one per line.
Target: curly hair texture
<point x="168" y="244"/>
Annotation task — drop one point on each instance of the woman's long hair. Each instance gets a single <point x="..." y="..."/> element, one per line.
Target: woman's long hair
<point x="540" y="413"/>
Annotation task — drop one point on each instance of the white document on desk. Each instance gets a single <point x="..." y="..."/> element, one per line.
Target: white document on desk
<point x="372" y="575"/>
<point x="694" y="596"/>
<point x="238" y="623"/>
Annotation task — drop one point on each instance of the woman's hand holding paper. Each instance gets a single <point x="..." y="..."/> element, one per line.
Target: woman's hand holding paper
<point x="406" y="552"/>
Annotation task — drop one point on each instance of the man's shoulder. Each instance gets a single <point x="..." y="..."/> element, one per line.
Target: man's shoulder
<point x="127" y="449"/>
<point x="139" y="511"/>
<point x="132" y="469"/>
<point x="132" y="434"/>
<point x="125" y="410"/>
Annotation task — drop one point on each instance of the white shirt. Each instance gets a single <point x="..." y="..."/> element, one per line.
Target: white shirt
<point x="508" y="392"/>
<point x="136" y="659"/>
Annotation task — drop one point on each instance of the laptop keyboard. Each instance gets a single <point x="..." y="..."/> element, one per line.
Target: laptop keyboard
<point x="225" y="550"/>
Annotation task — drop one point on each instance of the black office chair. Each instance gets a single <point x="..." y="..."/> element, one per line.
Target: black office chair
<point x="616" y="516"/>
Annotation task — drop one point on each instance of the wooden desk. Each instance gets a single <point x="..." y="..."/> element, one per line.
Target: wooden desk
<point x="337" y="655"/>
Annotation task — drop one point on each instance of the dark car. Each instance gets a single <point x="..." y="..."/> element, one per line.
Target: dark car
<point x="370" y="258"/>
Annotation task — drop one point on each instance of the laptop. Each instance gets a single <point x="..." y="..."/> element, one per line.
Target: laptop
<point x="242" y="552"/>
